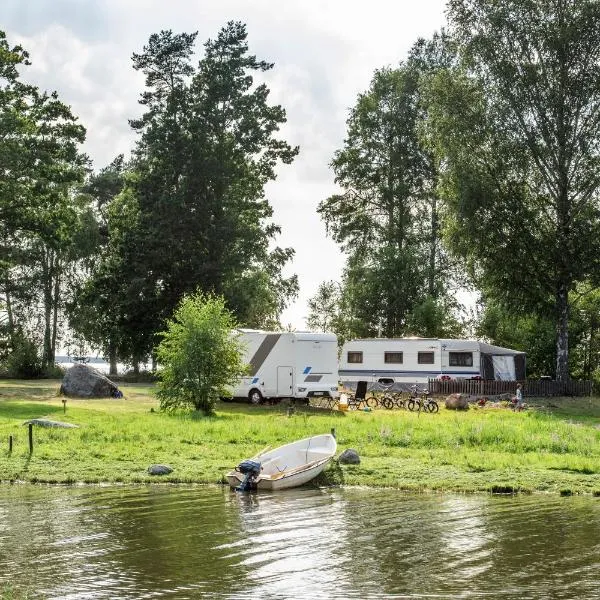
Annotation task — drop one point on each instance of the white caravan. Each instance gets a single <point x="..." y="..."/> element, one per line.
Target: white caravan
<point x="288" y="365"/>
<point x="400" y="362"/>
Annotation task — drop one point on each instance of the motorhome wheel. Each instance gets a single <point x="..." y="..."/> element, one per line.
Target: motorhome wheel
<point x="255" y="397"/>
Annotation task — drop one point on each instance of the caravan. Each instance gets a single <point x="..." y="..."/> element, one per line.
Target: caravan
<point x="288" y="365"/>
<point x="401" y="362"/>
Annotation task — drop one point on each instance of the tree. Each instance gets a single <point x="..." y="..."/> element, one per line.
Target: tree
<point x="387" y="218"/>
<point x="41" y="215"/>
<point x="98" y="304"/>
<point x="200" y="356"/>
<point x="324" y="307"/>
<point x="208" y="145"/>
<point x="517" y="135"/>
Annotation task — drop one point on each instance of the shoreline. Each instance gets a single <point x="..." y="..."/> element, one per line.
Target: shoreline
<point x="192" y="484"/>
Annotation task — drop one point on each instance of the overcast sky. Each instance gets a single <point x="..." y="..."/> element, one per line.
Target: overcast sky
<point x="324" y="52"/>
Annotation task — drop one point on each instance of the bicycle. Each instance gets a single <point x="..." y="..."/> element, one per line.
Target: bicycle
<point x="398" y="399"/>
<point x="421" y="401"/>
<point x="386" y="399"/>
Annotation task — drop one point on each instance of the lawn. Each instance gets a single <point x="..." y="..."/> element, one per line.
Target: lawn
<point x="553" y="446"/>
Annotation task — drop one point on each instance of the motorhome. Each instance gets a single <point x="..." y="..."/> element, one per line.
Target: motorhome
<point x="295" y="365"/>
<point x="400" y="362"/>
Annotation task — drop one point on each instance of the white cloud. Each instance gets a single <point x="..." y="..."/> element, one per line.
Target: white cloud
<point x="324" y="52"/>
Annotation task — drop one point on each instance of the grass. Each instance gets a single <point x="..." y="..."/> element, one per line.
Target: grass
<point x="554" y="446"/>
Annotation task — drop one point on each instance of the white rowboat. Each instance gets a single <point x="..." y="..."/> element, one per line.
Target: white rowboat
<point x="291" y="465"/>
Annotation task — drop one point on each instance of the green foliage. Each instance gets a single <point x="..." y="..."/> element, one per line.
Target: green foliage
<point x="388" y="219"/>
<point x="24" y="361"/>
<point x="514" y="129"/>
<point x="531" y="333"/>
<point x="189" y="212"/>
<point x="199" y="355"/>
<point x="45" y="227"/>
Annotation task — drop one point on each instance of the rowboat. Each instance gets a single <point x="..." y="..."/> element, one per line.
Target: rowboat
<point x="285" y="467"/>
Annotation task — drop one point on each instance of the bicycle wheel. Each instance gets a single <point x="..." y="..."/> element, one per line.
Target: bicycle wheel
<point x="387" y="402"/>
<point x="432" y="406"/>
<point x="413" y="404"/>
<point x="372" y="401"/>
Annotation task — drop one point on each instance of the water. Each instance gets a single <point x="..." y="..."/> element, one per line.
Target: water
<point x="207" y="542"/>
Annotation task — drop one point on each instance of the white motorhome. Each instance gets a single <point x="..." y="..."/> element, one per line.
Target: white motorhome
<point x="400" y="362"/>
<point x="288" y="365"/>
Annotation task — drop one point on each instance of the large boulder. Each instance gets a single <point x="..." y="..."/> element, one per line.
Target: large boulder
<point x="81" y="381"/>
<point x="457" y="402"/>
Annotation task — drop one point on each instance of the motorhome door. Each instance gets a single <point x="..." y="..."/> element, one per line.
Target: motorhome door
<point x="285" y="381"/>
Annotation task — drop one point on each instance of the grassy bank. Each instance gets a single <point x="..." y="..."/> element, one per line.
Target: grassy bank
<point x="553" y="446"/>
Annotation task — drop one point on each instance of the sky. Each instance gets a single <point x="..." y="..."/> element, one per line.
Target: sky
<point x="325" y="53"/>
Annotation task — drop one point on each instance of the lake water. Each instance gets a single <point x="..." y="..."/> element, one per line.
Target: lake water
<point x="208" y="542"/>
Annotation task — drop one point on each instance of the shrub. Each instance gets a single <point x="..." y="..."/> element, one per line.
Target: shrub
<point x="199" y="354"/>
<point x="53" y="372"/>
<point x="24" y="361"/>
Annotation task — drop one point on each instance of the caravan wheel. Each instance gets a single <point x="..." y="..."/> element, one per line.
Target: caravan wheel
<point x="255" y="397"/>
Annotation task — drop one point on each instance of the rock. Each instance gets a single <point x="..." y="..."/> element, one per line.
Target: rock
<point x="159" y="470"/>
<point x="81" y="381"/>
<point x="457" y="402"/>
<point x="349" y="457"/>
<point x="48" y="423"/>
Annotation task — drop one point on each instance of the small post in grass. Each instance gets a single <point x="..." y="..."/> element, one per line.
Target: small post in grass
<point x="10" y="444"/>
<point x="64" y="401"/>
<point x="30" y="438"/>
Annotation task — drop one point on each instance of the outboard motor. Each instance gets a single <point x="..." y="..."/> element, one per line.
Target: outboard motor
<point x="251" y="469"/>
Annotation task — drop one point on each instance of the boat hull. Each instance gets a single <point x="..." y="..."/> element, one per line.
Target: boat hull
<point x="287" y="481"/>
<point x="291" y="465"/>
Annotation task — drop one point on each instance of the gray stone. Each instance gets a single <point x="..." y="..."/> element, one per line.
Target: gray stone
<point x="457" y="402"/>
<point x="81" y="381"/>
<point x="349" y="457"/>
<point x="159" y="470"/>
<point x="48" y="423"/>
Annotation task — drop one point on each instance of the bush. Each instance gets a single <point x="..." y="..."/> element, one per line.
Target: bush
<point x="133" y="377"/>
<point x="199" y="355"/>
<point x="24" y="361"/>
<point x="54" y="372"/>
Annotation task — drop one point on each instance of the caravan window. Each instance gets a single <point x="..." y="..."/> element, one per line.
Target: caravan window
<point x="393" y="357"/>
<point x="354" y="357"/>
<point x="460" y="359"/>
<point x="425" y="358"/>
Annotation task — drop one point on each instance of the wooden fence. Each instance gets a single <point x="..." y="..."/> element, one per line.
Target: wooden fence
<point x="533" y="388"/>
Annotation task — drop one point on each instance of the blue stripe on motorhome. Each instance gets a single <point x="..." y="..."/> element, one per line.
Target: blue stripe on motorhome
<point x="367" y="372"/>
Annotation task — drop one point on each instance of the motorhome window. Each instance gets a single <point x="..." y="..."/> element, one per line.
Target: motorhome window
<point x="393" y="357"/>
<point x="354" y="357"/>
<point x="425" y="358"/>
<point x="460" y="359"/>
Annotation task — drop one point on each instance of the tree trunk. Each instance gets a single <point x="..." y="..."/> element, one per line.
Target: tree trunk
<point x="56" y="300"/>
<point x="9" y="312"/>
<point x="112" y="358"/>
<point x="565" y="254"/>
<point x="433" y="246"/>
<point x="47" y="285"/>
<point x="562" y="334"/>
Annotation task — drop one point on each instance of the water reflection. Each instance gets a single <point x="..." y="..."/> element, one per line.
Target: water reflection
<point x="207" y="542"/>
